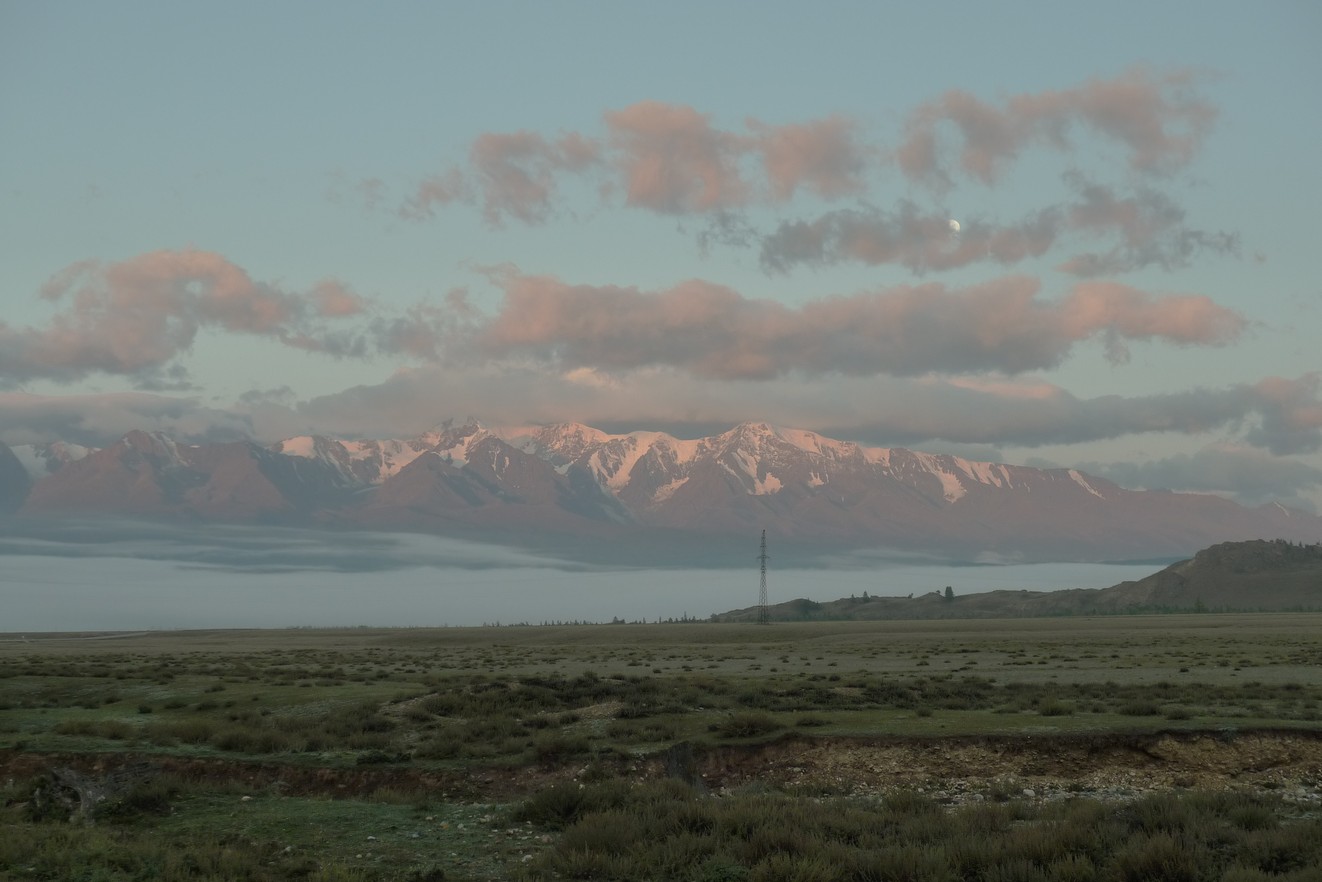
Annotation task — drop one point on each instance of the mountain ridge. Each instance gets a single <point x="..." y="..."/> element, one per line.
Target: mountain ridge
<point x="577" y="482"/>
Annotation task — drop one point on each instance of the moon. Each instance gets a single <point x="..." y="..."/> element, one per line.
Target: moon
<point x="954" y="225"/>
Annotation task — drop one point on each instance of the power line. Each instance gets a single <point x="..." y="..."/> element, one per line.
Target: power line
<point x="763" y="614"/>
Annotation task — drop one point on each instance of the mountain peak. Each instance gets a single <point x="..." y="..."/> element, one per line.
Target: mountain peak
<point x="154" y="444"/>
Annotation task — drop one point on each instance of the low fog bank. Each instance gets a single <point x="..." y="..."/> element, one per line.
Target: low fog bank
<point x="106" y="576"/>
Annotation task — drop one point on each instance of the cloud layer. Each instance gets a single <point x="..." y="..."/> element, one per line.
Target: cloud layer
<point x="135" y="318"/>
<point x="674" y="160"/>
<point x="712" y="331"/>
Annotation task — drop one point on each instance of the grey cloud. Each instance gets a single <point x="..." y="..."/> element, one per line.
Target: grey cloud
<point x="920" y="241"/>
<point x="1147" y="229"/>
<point x="264" y="549"/>
<point x="97" y="420"/>
<point x="1246" y="474"/>
<point x="1278" y="415"/>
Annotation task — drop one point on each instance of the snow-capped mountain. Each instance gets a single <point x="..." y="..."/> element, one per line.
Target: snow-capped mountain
<point x="574" y="480"/>
<point x="150" y="474"/>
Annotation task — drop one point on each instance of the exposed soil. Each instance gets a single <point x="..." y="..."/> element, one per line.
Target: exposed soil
<point x="954" y="770"/>
<point x="970" y="769"/>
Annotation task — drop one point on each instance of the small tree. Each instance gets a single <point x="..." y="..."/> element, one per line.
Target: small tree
<point x="950" y="594"/>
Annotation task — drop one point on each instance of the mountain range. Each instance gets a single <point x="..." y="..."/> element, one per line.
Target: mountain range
<point x="575" y="486"/>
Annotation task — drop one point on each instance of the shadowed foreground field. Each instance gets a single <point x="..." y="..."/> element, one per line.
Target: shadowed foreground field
<point x="1180" y="747"/>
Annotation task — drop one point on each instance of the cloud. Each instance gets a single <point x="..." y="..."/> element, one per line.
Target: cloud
<point x="1147" y="228"/>
<point x="822" y="155"/>
<point x="920" y="241"/>
<point x="99" y="419"/>
<point x="1244" y="473"/>
<point x="883" y="411"/>
<point x="241" y="548"/>
<point x="1158" y="120"/>
<point x="133" y="318"/>
<point x="516" y="172"/>
<point x="137" y="317"/>
<point x="1276" y="416"/>
<point x="714" y="332"/>
<point x="436" y="190"/>
<point x="673" y="160"/>
<point x="1291" y="414"/>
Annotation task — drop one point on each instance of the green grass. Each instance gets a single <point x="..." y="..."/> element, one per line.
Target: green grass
<point x="403" y="725"/>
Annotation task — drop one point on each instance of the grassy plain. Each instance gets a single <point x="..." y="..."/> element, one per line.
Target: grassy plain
<point x="637" y="751"/>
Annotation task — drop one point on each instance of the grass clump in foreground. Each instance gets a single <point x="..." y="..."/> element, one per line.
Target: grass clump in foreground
<point x="666" y="830"/>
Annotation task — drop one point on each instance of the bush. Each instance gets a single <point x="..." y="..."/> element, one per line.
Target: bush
<point x="559" y="748"/>
<point x="748" y="724"/>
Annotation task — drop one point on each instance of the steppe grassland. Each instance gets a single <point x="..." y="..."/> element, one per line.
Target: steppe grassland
<point x="339" y="692"/>
<point x="457" y="707"/>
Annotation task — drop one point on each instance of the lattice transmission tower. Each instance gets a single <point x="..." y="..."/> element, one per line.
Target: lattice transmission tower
<point x="763" y="614"/>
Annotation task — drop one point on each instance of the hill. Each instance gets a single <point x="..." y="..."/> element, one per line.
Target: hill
<point x="1253" y="576"/>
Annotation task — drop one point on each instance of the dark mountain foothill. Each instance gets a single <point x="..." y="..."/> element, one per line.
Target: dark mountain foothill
<point x="1254" y="576"/>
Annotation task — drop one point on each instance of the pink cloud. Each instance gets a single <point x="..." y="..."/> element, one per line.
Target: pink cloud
<point x="1291" y="414"/>
<point x="822" y="155"/>
<point x="136" y="316"/>
<point x="674" y="161"/>
<point x="1158" y="121"/>
<point x="712" y="331"/>
<point x="517" y="172"/>
<point x="436" y="190"/>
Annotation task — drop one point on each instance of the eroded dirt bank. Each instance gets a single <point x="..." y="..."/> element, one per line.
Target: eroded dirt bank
<point x="957" y="770"/>
<point x="964" y="769"/>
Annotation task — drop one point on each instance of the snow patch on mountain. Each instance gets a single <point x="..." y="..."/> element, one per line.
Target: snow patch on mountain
<point x="994" y="474"/>
<point x="1079" y="479"/>
<point x="665" y="491"/>
<point x="952" y="488"/>
<point x="877" y="456"/>
<point x="388" y="456"/>
<point x="454" y="445"/>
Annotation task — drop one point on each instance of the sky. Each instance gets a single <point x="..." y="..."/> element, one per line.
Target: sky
<point x="98" y="575"/>
<point x="260" y="220"/>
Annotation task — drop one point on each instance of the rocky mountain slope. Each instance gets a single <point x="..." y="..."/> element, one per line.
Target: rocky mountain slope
<point x="811" y="493"/>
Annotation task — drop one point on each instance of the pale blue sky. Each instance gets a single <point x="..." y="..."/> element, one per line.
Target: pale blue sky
<point x="285" y="139"/>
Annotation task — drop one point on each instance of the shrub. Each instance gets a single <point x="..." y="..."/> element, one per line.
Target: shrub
<point x="748" y="724"/>
<point x="559" y="748"/>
